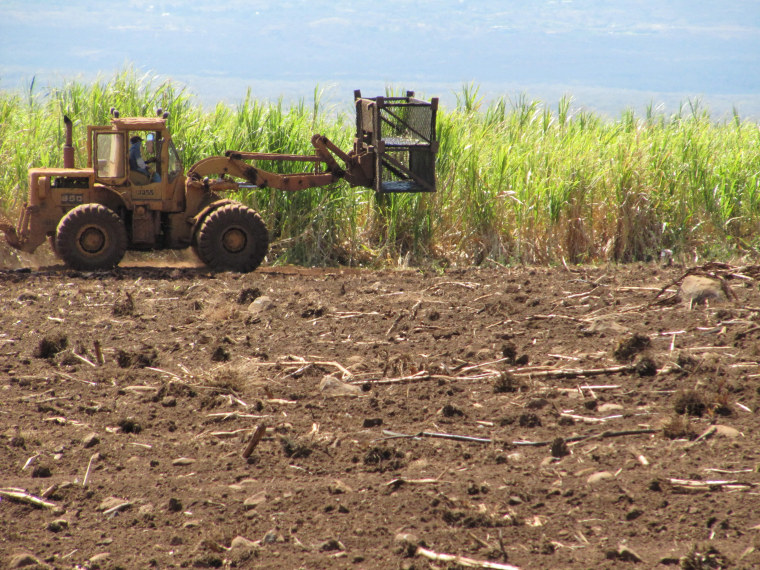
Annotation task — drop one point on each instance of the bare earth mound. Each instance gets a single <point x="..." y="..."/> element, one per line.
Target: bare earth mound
<point x="294" y="418"/>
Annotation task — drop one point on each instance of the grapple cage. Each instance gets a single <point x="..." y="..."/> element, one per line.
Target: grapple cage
<point x="400" y="131"/>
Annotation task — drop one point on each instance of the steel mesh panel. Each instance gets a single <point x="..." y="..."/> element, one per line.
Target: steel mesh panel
<point x="388" y="172"/>
<point x="406" y="125"/>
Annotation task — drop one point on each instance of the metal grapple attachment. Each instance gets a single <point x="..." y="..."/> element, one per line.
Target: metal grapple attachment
<point x="400" y="133"/>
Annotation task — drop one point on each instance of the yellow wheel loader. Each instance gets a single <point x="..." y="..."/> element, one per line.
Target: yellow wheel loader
<point x="135" y="194"/>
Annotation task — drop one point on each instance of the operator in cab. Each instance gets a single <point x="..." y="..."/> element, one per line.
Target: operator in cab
<point x="138" y="165"/>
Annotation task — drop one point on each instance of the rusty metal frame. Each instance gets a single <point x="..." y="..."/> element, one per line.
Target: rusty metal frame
<point x="373" y="114"/>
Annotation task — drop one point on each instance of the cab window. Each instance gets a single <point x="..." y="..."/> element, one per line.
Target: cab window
<point x="175" y="164"/>
<point x="110" y="155"/>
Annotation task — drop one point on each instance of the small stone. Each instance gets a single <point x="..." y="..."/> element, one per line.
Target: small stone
<point x="407" y="538"/>
<point x="146" y="510"/>
<point x="633" y="514"/>
<point x="623" y="553"/>
<point x="98" y="559"/>
<point x="255" y="500"/>
<point x="604" y="326"/>
<point x="113" y="505"/>
<point x="331" y="387"/>
<point x="183" y="461"/>
<point x="242" y="550"/>
<point x="537" y="404"/>
<point x="169" y="402"/>
<point x="331" y="545"/>
<point x="720" y="430"/>
<point x="696" y="289"/>
<point x="407" y="543"/>
<point x="26" y="560"/>
<point x="598" y="477"/>
<point x="338" y="487"/>
<point x="609" y="407"/>
<point x="90" y="440"/>
<point x="109" y="503"/>
<point x="242" y="542"/>
<point x="260" y="305"/>
<point x="727" y="431"/>
<point x="58" y="525"/>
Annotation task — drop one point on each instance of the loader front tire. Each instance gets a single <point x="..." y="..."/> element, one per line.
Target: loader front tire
<point x="232" y="238"/>
<point x="91" y="237"/>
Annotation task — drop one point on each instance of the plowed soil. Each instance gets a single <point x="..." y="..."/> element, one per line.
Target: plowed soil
<point x="529" y="417"/>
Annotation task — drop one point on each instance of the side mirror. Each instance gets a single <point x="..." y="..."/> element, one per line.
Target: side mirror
<point x="150" y="144"/>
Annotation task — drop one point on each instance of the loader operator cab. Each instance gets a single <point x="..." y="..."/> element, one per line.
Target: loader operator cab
<point x="137" y="152"/>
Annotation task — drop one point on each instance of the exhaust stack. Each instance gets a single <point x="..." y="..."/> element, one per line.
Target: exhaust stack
<point x="68" y="148"/>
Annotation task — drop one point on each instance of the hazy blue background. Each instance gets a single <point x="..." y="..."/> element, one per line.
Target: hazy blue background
<point x="608" y="55"/>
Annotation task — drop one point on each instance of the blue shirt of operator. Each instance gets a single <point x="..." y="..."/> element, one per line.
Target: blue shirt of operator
<point x="136" y="161"/>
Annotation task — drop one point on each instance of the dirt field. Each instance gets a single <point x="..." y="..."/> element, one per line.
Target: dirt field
<point x="530" y="417"/>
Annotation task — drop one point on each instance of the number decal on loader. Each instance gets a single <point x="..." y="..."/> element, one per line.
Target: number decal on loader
<point x="72" y="198"/>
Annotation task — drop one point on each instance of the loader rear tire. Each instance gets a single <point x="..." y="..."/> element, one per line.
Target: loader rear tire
<point x="232" y="238"/>
<point x="53" y="248"/>
<point x="91" y="237"/>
